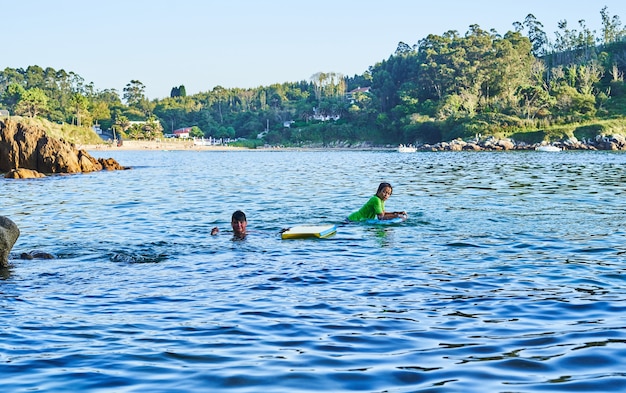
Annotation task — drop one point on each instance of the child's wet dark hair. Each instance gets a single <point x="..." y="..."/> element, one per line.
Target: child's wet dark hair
<point x="383" y="185"/>
<point x="239" y="216"/>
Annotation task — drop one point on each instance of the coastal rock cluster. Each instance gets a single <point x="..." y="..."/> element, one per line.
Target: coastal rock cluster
<point x="614" y="142"/>
<point x="27" y="152"/>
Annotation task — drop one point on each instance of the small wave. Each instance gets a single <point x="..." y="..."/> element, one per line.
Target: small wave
<point x="138" y="257"/>
<point x="462" y="245"/>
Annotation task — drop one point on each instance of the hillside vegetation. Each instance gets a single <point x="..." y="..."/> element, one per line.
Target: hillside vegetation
<point x="67" y="132"/>
<point x="519" y="84"/>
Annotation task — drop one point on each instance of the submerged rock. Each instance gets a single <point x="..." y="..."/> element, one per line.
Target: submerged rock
<point x="36" y="255"/>
<point x="22" y="173"/>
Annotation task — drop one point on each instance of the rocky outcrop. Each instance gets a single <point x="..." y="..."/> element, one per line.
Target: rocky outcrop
<point x="614" y="142"/>
<point x="24" y="147"/>
<point x="9" y="232"/>
<point x="22" y="173"/>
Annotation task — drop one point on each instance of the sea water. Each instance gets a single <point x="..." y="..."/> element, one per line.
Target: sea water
<point x="508" y="275"/>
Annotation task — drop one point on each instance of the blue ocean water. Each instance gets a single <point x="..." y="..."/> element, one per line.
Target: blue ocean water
<point x="508" y="275"/>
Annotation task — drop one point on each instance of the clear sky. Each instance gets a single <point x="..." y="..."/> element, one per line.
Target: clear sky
<point x="247" y="43"/>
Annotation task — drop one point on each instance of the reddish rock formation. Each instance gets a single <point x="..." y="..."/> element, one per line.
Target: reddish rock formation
<point x="24" y="147"/>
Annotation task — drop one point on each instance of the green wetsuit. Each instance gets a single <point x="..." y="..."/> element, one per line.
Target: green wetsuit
<point x="370" y="210"/>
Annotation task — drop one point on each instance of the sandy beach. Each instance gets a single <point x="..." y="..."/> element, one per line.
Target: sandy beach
<point x="175" y="144"/>
<point x="156" y="145"/>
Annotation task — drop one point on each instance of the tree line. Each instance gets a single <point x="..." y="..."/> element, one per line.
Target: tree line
<point x="440" y="88"/>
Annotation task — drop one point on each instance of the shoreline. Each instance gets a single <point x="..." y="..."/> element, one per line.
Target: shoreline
<point x="489" y="144"/>
<point x="154" y="145"/>
<point x="134" y="145"/>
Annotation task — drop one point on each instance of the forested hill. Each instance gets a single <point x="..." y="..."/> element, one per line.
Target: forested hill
<point x="521" y="84"/>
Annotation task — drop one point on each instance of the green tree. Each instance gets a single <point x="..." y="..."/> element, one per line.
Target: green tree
<point x="121" y="124"/>
<point x="612" y="30"/>
<point x="146" y="107"/>
<point x="220" y="99"/>
<point x="32" y="102"/>
<point x="178" y="91"/>
<point x="328" y="84"/>
<point x="572" y="45"/>
<point x="511" y="68"/>
<point x="135" y="131"/>
<point x="474" y="61"/>
<point x="171" y="111"/>
<point x="196" y="132"/>
<point x="80" y="108"/>
<point x="134" y="93"/>
<point x="536" y="35"/>
<point x="436" y="76"/>
<point x="533" y="100"/>
<point x="152" y="129"/>
<point x="9" y="76"/>
<point x="225" y="132"/>
<point x="100" y="111"/>
<point x="34" y="76"/>
<point x="12" y="95"/>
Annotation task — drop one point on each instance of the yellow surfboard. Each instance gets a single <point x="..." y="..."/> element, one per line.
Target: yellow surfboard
<point x="304" y="231"/>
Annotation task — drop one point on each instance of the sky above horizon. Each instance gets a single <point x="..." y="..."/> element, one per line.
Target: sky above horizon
<point x="248" y="43"/>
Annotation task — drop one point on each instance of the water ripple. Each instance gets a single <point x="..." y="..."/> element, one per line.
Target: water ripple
<point x="508" y="275"/>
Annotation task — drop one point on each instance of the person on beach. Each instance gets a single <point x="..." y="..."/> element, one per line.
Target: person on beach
<point x="375" y="207"/>
<point x="239" y="224"/>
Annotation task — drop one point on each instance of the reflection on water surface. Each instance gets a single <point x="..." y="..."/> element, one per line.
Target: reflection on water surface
<point x="508" y="275"/>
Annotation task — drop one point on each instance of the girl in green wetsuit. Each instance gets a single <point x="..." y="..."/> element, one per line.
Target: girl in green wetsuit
<point x="375" y="207"/>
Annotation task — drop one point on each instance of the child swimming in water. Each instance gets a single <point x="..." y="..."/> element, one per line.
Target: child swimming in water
<point x="239" y="223"/>
<point x="375" y="207"/>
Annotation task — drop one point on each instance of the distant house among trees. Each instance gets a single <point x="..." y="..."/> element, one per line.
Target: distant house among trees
<point x="359" y="90"/>
<point x="142" y="123"/>
<point x="319" y="116"/>
<point x="182" y="132"/>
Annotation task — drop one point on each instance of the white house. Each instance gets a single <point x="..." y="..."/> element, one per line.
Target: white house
<point x="182" y="133"/>
<point x="351" y="95"/>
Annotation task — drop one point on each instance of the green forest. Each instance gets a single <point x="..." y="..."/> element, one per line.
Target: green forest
<point x="524" y="84"/>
